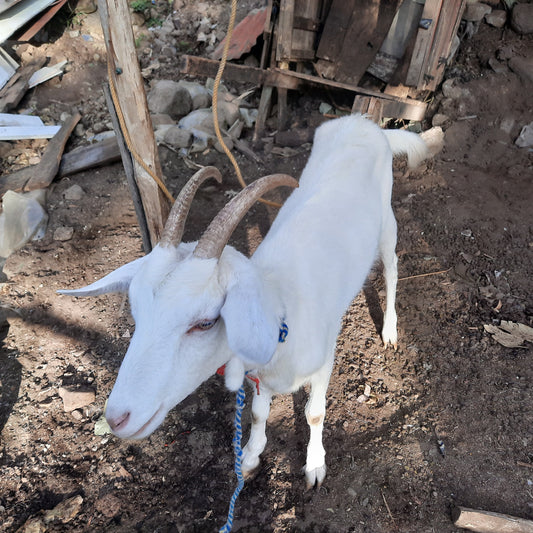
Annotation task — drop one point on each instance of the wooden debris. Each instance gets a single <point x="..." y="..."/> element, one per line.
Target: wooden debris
<point x="16" y="88"/>
<point x="510" y="334"/>
<point x="392" y="106"/>
<point x="41" y="175"/>
<point x="127" y="81"/>
<point x="487" y="522"/>
<point x="93" y="155"/>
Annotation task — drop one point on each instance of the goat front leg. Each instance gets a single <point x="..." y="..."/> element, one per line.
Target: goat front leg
<point x="315" y="411"/>
<point x="257" y="441"/>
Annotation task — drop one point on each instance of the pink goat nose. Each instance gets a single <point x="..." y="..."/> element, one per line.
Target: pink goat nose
<point x="116" y="423"/>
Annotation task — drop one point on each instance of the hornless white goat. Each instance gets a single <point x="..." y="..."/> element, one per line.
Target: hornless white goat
<point x="200" y="306"/>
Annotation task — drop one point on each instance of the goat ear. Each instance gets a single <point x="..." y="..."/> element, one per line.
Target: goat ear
<point x="251" y="327"/>
<point x="117" y="281"/>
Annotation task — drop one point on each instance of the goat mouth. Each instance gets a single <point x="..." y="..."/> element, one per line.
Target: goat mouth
<point x="139" y="434"/>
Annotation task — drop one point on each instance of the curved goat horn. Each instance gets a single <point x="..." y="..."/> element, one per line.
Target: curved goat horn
<point x="175" y="224"/>
<point x="222" y="226"/>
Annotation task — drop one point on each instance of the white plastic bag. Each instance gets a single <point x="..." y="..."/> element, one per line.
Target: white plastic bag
<point x="22" y="218"/>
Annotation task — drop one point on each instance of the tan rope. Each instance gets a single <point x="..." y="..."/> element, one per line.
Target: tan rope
<point x="126" y="135"/>
<point x="216" y="86"/>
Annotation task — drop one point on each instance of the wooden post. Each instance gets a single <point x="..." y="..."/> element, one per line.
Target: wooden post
<point x="487" y="522"/>
<point x="128" y="83"/>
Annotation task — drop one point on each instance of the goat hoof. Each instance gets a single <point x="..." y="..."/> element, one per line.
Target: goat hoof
<point x="250" y="474"/>
<point x="315" y="477"/>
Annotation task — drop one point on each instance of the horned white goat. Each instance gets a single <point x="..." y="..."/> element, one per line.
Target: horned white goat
<point x="199" y="306"/>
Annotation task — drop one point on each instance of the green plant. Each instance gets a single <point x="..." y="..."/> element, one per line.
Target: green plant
<point x="154" y="22"/>
<point x="140" y="6"/>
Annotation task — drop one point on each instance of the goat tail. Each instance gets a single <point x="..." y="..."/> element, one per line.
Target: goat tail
<point x="408" y="143"/>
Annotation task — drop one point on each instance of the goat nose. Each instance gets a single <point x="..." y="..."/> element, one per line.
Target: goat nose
<point x="118" y="422"/>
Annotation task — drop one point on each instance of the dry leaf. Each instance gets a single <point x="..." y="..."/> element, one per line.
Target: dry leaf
<point x="510" y="334"/>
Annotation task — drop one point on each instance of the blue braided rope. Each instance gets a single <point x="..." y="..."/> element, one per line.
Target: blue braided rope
<point x="238" y="458"/>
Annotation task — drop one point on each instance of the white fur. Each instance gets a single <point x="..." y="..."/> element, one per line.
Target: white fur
<point x="307" y="270"/>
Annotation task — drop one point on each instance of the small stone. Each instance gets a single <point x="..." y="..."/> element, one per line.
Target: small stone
<point x="75" y="192"/>
<point x="439" y="119"/>
<point x="65" y="511"/>
<point x="79" y="130"/>
<point x="476" y="12"/>
<point x="523" y="67"/>
<point x="77" y="415"/>
<point x="497" y="18"/>
<point x="63" y="233"/>
<point x="525" y="139"/>
<point x="177" y="137"/>
<point x="199" y="94"/>
<point x="76" y="398"/>
<point x="498" y="66"/>
<point x="108" y="505"/>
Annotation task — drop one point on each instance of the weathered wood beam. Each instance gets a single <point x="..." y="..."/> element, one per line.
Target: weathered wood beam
<point x="128" y="83"/>
<point x="487" y="522"/>
<point x="393" y="106"/>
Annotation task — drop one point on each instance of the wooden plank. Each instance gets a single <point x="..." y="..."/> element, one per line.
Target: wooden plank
<point x="285" y="25"/>
<point x="354" y="37"/>
<point x="93" y="155"/>
<point x="488" y="522"/>
<point x="49" y="164"/>
<point x="41" y="175"/>
<point x="424" y="42"/>
<point x="127" y="80"/>
<point x="16" y="88"/>
<point x="448" y="24"/>
<point x="305" y="25"/>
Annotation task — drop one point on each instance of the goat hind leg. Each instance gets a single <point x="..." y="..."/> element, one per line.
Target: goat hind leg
<point x="387" y="247"/>
<point x="257" y="441"/>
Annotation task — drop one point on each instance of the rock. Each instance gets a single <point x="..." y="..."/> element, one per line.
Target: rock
<point x="108" y="505"/>
<point x="523" y="67"/>
<point x="65" y="511"/>
<point x="162" y="119"/>
<point x="498" y="66"/>
<point x="507" y="124"/>
<point x="177" y="137"/>
<point x="170" y="98"/>
<point x="497" y="18"/>
<point x="450" y="90"/>
<point x="32" y="525"/>
<point x="522" y="18"/>
<point x="439" y="119"/>
<point x="75" y="192"/>
<point x="76" y="398"/>
<point x="525" y="139"/>
<point x="476" y="12"/>
<point x="201" y="119"/>
<point x="63" y="233"/>
<point x="199" y="94"/>
<point x="228" y="111"/>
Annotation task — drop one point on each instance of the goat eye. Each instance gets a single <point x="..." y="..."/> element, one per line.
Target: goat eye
<point x="203" y="325"/>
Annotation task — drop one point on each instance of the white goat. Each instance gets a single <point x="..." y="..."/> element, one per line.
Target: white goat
<point x="200" y="306"/>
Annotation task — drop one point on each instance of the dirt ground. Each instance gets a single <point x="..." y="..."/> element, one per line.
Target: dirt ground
<point x="466" y="214"/>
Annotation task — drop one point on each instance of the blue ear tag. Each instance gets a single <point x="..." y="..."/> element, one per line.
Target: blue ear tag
<point x="283" y="332"/>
